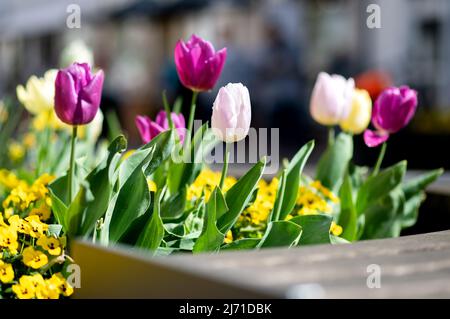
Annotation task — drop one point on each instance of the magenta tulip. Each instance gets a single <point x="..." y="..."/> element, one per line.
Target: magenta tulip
<point x="149" y="129"/>
<point x="198" y="64"/>
<point x="77" y="94"/>
<point x="393" y="110"/>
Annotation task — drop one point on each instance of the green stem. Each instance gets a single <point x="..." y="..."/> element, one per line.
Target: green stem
<point x="167" y="109"/>
<point x="72" y="162"/>
<point x="226" y="157"/>
<point x="377" y="167"/>
<point x="191" y="116"/>
<point x="330" y="135"/>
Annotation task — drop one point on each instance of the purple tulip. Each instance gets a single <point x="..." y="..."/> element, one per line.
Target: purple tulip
<point x="393" y="110"/>
<point x="198" y="64"/>
<point x="77" y="94"/>
<point x="149" y="129"/>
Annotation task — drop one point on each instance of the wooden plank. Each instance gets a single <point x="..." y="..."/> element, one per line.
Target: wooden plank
<point x="411" y="267"/>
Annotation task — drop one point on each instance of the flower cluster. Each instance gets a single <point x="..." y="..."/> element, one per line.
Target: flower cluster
<point x="32" y="255"/>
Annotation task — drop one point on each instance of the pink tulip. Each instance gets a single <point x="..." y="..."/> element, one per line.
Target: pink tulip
<point x="231" y="113"/>
<point x="77" y="94"/>
<point x="198" y="64"/>
<point x="149" y="129"/>
<point x="393" y="110"/>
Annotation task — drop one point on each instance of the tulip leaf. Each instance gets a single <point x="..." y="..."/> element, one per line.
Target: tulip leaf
<point x="241" y="244"/>
<point x="211" y="238"/>
<point x="334" y="162"/>
<point x="239" y="196"/>
<point x="348" y="217"/>
<point x="77" y="209"/>
<point x="275" y="213"/>
<point x="293" y="176"/>
<point x="174" y="206"/>
<point x="101" y="182"/>
<point x="153" y="233"/>
<point x="419" y="183"/>
<point x="379" y="186"/>
<point x="281" y="234"/>
<point x="316" y="229"/>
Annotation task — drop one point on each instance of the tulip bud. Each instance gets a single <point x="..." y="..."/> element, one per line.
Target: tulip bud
<point x="360" y="112"/>
<point x="149" y="129"/>
<point x="78" y="94"/>
<point x="393" y="110"/>
<point x="331" y="98"/>
<point x="231" y="113"/>
<point x="198" y="64"/>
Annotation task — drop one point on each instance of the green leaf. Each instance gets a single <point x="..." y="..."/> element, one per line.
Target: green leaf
<point x="76" y="209"/>
<point x="173" y="207"/>
<point x="348" y="218"/>
<point x="411" y="209"/>
<point x="419" y="183"/>
<point x="54" y="229"/>
<point x="316" y="228"/>
<point x="211" y="238"/>
<point x="101" y="182"/>
<point x="153" y="233"/>
<point x="335" y="240"/>
<point x="275" y="213"/>
<point x="241" y="244"/>
<point x="281" y="234"/>
<point x="163" y="144"/>
<point x="383" y="219"/>
<point x="239" y="195"/>
<point x="379" y="186"/>
<point x="293" y="176"/>
<point x="334" y="162"/>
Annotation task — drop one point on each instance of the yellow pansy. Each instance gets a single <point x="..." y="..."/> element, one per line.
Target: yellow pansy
<point x="37" y="228"/>
<point x="51" y="289"/>
<point x="39" y="93"/>
<point x="8" y="239"/>
<point x="335" y="229"/>
<point x="228" y="237"/>
<point x="6" y="272"/>
<point x="18" y="224"/>
<point x="8" y="179"/>
<point x="25" y="288"/>
<point x="360" y="113"/>
<point x="42" y="211"/>
<point x="34" y="258"/>
<point x="205" y="183"/>
<point x="65" y="288"/>
<point x="51" y="244"/>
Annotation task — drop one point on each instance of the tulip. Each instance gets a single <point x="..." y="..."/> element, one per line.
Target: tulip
<point x="393" y="110"/>
<point x="331" y="99"/>
<point x="360" y="112"/>
<point x="198" y="64"/>
<point x="149" y="129"/>
<point x="76" y="51"/>
<point x="78" y="94"/>
<point x="77" y="101"/>
<point x="231" y="117"/>
<point x="198" y="67"/>
<point x="38" y="95"/>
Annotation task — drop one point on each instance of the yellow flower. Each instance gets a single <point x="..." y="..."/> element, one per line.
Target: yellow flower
<point x="228" y="237"/>
<point x="6" y="272"/>
<point x="51" y="288"/>
<point x="42" y="211"/>
<point x="205" y="183"/>
<point x="16" y="151"/>
<point x="51" y="244"/>
<point x="3" y="112"/>
<point x="325" y="191"/>
<point x="65" y="288"/>
<point x="29" y="140"/>
<point x="49" y="119"/>
<point x="127" y="154"/>
<point x="25" y="288"/>
<point x="38" y="96"/>
<point x="34" y="258"/>
<point x="8" y="179"/>
<point x="18" y="224"/>
<point x="37" y="228"/>
<point x="36" y="281"/>
<point x="151" y="186"/>
<point x="8" y="239"/>
<point x="335" y="229"/>
<point x="360" y="113"/>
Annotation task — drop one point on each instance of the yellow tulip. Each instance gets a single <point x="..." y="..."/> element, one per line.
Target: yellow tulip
<point x="38" y="95"/>
<point x="360" y="113"/>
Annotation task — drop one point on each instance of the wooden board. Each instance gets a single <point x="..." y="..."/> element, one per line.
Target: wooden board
<point x="410" y="267"/>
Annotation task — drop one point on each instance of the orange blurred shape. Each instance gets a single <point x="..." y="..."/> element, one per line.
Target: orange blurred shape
<point x="374" y="81"/>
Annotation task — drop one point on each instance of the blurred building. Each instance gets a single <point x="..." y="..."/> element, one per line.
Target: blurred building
<point x="276" y="48"/>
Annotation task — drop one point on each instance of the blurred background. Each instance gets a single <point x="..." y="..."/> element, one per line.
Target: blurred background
<point x="275" y="47"/>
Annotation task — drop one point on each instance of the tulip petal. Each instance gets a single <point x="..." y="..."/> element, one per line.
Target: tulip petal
<point x="66" y="97"/>
<point x="374" y="138"/>
<point x="143" y="126"/>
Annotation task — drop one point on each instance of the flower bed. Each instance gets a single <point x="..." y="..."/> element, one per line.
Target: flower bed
<point x="63" y="183"/>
